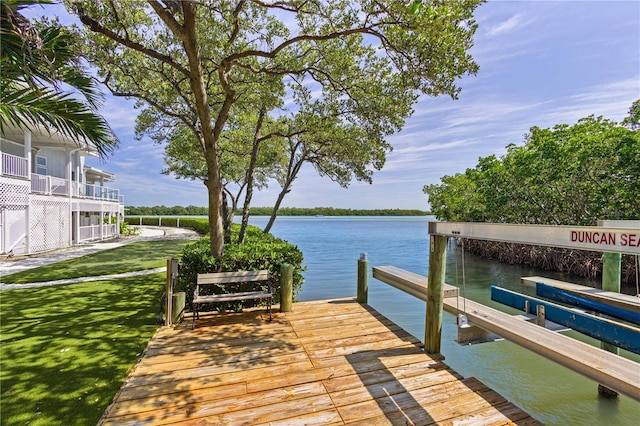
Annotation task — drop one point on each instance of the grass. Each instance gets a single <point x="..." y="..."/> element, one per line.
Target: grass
<point x="66" y="350"/>
<point x="131" y="257"/>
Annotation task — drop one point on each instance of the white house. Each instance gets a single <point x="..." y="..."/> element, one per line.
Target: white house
<point x="49" y="199"/>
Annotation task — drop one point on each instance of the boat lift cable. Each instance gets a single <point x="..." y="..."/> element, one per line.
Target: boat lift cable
<point x="464" y="283"/>
<point x="637" y="267"/>
<point x="461" y="319"/>
<point x="457" y="285"/>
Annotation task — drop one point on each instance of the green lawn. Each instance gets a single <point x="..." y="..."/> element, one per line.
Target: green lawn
<point x="66" y="350"/>
<point x="127" y="258"/>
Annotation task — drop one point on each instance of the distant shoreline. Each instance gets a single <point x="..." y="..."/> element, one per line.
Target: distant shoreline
<point x="266" y="211"/>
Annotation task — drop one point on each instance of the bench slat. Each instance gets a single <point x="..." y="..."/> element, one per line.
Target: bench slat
<point x="230" y="278"/>
<point x="233" y="277"/>
<point x="214" y="298"/>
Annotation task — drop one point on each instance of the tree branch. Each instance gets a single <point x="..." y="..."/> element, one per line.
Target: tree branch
<point x="97" y="27"/>
<point x="167" y="17"/>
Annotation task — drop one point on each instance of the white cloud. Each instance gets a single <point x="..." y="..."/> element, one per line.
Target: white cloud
<point x="514" y="23"/>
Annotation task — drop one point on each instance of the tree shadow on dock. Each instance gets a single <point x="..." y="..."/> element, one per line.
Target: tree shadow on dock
<point x="407" y="386"/>
<point x="187" y="373"/>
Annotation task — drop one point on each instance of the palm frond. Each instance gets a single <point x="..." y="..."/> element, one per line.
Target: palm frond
<point x="56" y="112"/>
<point x="35" y="64"/>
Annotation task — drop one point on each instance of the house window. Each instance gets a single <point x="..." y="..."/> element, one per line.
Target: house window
<point x="41" y="165"/>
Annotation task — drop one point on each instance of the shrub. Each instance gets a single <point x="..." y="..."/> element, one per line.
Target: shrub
<point x="126" y="229"/>
<point x="259" y="251"/>
<point x="198" y="224"/>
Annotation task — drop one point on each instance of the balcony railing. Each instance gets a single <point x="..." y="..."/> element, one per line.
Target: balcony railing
<point x="13" y="165"/>
<point x="49" y="185"/>
<point x="99" y="192"/>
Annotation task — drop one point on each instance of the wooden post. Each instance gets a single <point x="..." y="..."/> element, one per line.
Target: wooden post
<point x="611" y="268"/>
<point x="286" y="287"/>
<point x="363" y="279"/>
<point x="168" y="292"/>
<point x="435" y="294"/>
<point x="177" y="306"/>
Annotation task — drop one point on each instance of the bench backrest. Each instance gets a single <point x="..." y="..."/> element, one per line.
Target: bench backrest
<point x="233" y="277"/>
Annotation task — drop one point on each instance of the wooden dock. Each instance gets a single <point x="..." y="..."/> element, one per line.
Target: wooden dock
<point x="327" y="362"/>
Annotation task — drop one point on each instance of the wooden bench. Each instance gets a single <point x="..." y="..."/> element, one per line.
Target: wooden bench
<point x="224" y="279"/>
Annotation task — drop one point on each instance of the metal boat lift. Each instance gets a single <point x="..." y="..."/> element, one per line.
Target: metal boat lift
<point x="609" y="369"/>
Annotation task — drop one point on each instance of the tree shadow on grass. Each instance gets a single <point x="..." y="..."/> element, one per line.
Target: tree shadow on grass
<point x="65" y="351"/>
<point x="128" y="258"/>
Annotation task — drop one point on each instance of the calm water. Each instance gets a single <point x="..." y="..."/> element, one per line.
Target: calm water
<point x="332" y="246"/>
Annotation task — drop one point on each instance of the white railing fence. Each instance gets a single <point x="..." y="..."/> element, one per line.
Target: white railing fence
<point x="13" y="165"/>
<point x="49" y="185"/>
<point x="92" y="232"/>
<point x="101" y="192"/>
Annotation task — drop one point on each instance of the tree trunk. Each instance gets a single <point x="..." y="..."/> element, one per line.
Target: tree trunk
<point x="216" y="228"/>
<point x="227" y="218"/>
<point x="294" y="169"/>
<point x="250" y="177"/>
<point x="210" y="133"/>
<point x="276" y="207"/>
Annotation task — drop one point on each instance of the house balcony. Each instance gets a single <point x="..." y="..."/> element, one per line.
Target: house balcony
<point x="15" y="166"/>
<point x="12" y="165"/>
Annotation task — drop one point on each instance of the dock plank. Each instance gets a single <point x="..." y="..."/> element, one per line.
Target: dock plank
<point x="327" y="362"/>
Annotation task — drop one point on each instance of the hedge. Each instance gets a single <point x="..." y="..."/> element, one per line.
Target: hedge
<point x="259" y="251"/>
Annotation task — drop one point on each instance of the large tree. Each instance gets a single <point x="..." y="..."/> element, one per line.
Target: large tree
<point x="40" y="76"/>
<point x="192" y="62"/>
<point x="563" y="175"/>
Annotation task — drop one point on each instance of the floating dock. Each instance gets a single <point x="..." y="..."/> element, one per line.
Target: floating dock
<point x="327" y="362"/>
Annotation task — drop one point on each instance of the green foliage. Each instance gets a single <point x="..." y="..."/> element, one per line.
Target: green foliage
<point x="205" y="77"/>
<point x="166" y="211"/>
<point x="128" y="230"/>
<point x="134" y="212"/>
<point x="36" y="60"/>
<point x="331" y="211"/>
<point x="259" y="251"/>
<point x="572" y="175"/>
<point x="66" y="350"/>
<point x="633" y="119"/>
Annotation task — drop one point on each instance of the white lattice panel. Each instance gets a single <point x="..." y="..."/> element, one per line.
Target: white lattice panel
<point x="13" y="192"/>
<point x="50" y="223"/>
<point x="14" y="198"/>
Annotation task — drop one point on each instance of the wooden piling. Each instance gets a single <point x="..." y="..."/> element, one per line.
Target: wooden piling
<point x="169" y="292"/>
<point x="611" y="269"/>
<point x="435" y="294"/>
<point x="363" y="279"/>
<point x="286" y="287"/>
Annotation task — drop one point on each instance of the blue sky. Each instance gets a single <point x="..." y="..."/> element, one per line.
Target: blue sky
<point x="541" y="63"/>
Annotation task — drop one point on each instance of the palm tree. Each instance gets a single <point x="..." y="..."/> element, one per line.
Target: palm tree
<point x="36" y="62"/>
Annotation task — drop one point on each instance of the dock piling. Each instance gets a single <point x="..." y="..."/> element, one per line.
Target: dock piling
<point x="286" y="287"/>
<point x="363" y="279"/>
<point x="435" y="294"/>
